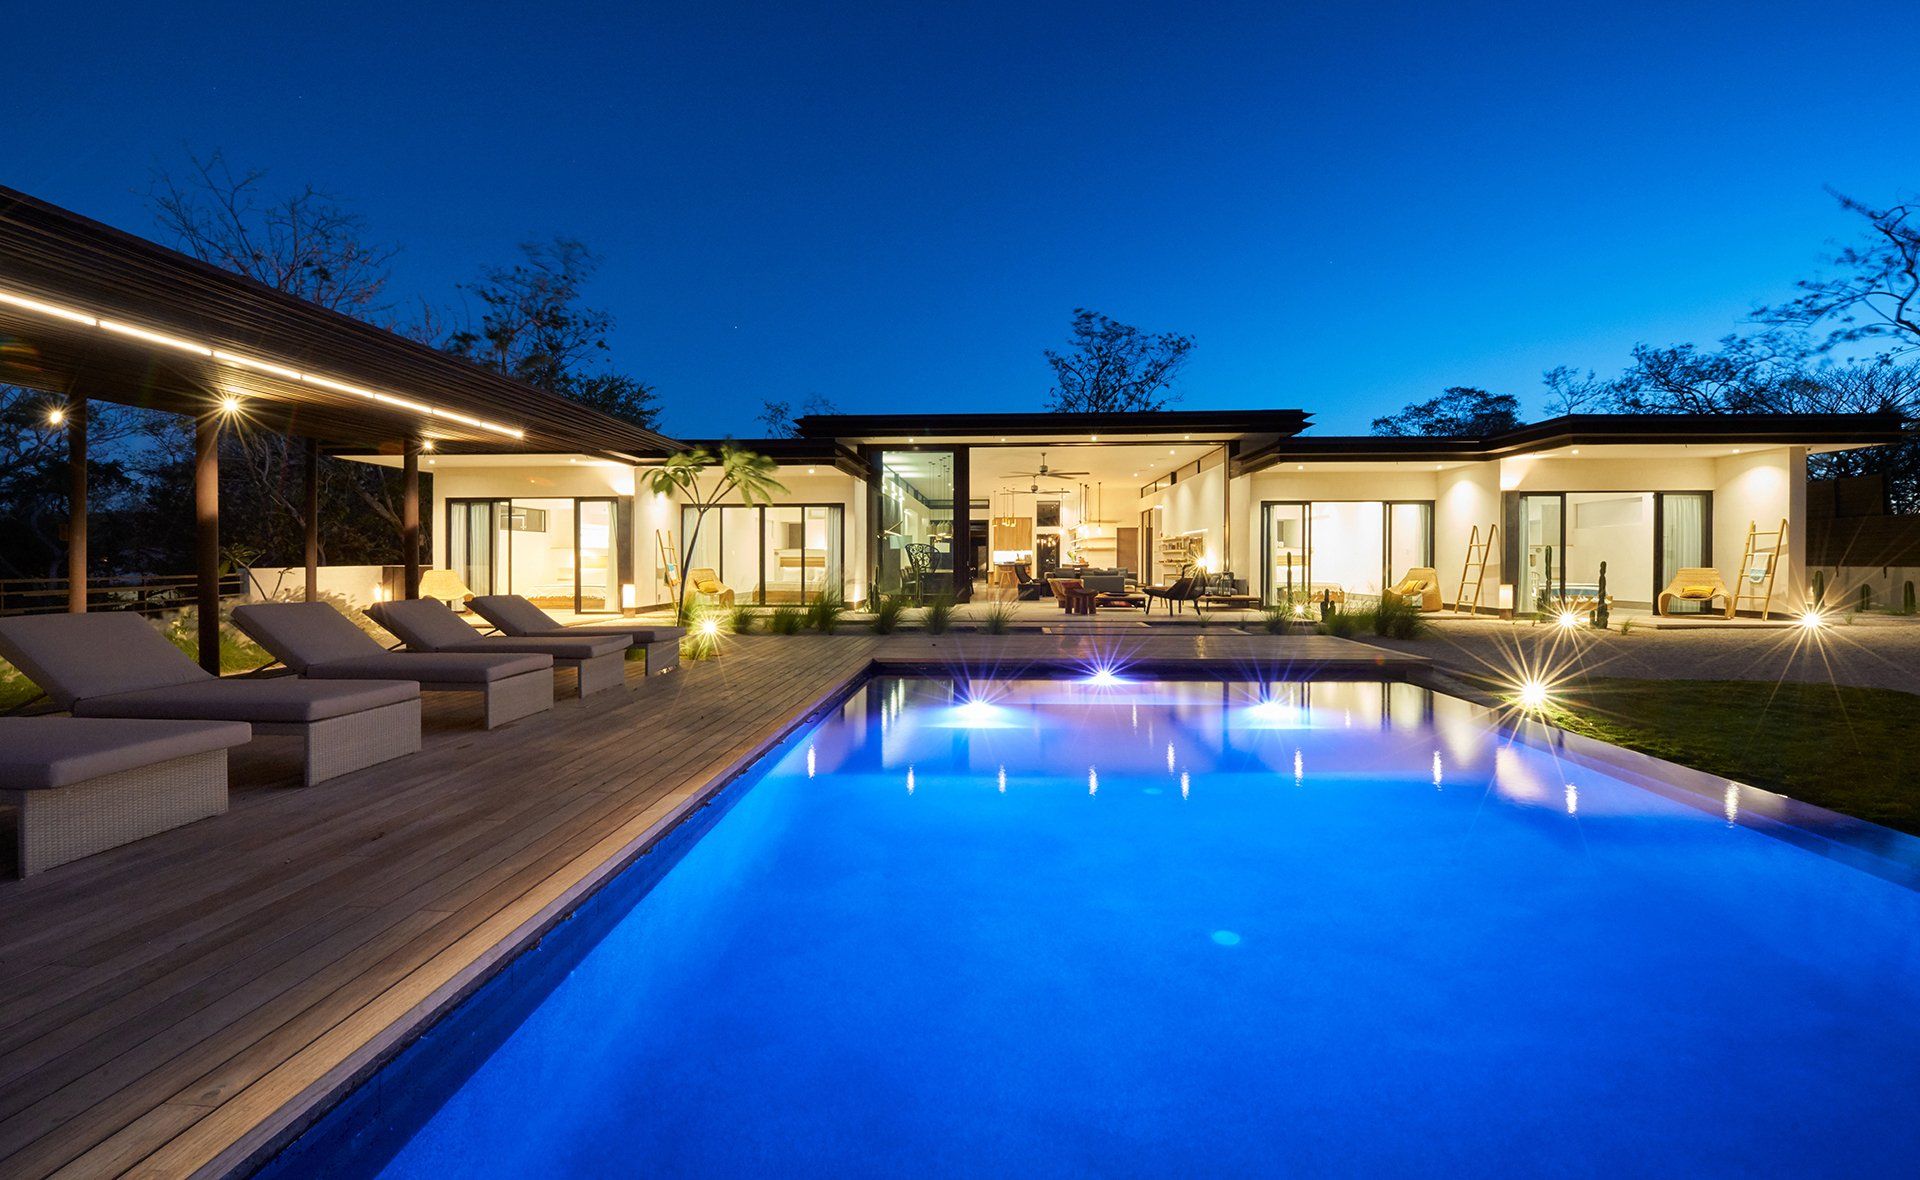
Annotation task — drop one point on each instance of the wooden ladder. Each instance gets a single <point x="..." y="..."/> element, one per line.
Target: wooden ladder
<point x="1473" y="572"/>
<point x="1758" y="566"/>
<point x="668" y="557"/>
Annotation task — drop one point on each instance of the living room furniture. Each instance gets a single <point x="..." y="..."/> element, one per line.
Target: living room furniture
<point x="1695" y="585"/>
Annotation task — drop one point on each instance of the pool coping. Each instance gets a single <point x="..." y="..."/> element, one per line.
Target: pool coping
<point x="268" y="1137"/>
<point x="1885" y="853"/>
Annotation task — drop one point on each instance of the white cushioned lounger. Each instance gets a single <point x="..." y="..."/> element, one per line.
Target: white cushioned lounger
<point x="515" y="615"/>
<point x="428" y="625"/>
<point x="320" y="643"/>
<point x="114" y="664"/>
<point x="86" y="784"/>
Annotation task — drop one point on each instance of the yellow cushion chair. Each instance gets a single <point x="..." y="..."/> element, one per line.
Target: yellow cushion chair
<point x="1421" y="585"/>
<point x="1695" y="585"/>
<point x="706" y="580"/>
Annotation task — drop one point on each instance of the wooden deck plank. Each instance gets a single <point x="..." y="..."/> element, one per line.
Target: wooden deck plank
<point x="169" y="1000"/>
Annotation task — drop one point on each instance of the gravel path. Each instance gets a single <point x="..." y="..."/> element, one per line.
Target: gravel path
<point x="1871" y="652"/>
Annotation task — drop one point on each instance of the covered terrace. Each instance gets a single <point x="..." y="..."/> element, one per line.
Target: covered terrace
<point x="90" y="314"/>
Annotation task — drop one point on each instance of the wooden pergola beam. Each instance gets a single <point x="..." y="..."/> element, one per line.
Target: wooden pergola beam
<point x="76" y="505"/>
<point x="206" y="535"/>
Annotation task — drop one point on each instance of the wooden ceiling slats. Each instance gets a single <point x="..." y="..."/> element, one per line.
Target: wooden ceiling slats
<point x="51" y="254"/>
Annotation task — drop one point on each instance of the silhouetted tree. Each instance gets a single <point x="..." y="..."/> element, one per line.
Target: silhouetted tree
<point x="782" y="420"/>
<point x="1112" y="367"/>
<point x="535" y="326"/>
<point x="1874" y="294"/>
<point x="1460" y="410"/>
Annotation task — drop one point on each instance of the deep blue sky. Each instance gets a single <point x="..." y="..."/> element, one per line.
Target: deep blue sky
<point x="1348" y="205"/>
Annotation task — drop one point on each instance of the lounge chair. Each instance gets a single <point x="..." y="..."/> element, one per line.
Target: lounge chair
<point x="1184" y="589"/>
<point x="1028" y="587"/>
<point x="517" y="616"/>
<point x="1421" y="586"/>
<point x="113" y="664"/>
<point x="1695" y="585"/>
<point x="427" y="625"/>
<point x="704" y="579"/>
<point x="86" y="784"/>
<point x="320" y="643"/>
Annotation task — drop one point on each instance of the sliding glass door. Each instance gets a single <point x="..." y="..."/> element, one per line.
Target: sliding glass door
<point x="1562" y="540"/>
<point x="561" y="553"/>
<point x="785" y="553"/>
<point x="1356" y="547"/>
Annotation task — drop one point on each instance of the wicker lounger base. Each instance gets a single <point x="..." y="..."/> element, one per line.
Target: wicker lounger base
<point x="600" y="672"/>
<point x="67" y="823"/>
<point x="662" y="656"/>
<point x="509" y="699"/>
<point x="353" y="741"/>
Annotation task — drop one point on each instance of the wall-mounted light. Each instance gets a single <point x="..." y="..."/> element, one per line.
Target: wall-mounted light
<point x="56" y="416"/>
<point x="229" y="405"/>
<point x="162" y="339"/>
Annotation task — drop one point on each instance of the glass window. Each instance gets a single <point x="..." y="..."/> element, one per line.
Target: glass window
<point x="1409" y="538"/>
<point x="1542" y="559"/>
<point x="541" y="560"/>
<point x="1611" y="527"/>
<point x="1348" y="542"/>
<point x="1286" y="542"/>
<point x="779" y="554"/>
<point x="595" y="560"/>
<point x="1683" y="542"/>
<point x="913" y="523"/>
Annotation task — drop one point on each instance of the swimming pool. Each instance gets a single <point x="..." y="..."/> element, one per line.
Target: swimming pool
<point x="1052" y="927"/>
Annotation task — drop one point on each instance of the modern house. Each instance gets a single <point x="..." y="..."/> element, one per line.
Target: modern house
<point x="513" y="489"/>
<point x="949" y="503"/>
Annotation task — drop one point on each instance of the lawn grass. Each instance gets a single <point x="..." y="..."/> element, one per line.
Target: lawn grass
<point x="1850" y="750"/>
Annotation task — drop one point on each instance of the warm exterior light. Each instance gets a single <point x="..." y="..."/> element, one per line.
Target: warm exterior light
<point x="56" y="416"/>
<point x="148" y="335"/>
<point x="1812" y="619"/>
<point x="426" y="444"/>
<point x="1568" y="620"/>
<point x="229" y="404"/>
<point x="709" y="629"/>
<point x="1533" y="694"/>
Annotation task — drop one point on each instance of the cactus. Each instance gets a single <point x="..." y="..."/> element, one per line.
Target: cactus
<point x="1866" y="597"/>
<point x="1543" y="601"/>
<point x="1600" y="611"/>
<point x="1819" y="587"/>
<point x="1907" y="605"/>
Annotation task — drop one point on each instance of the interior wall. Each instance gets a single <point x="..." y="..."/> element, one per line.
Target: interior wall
<point x="1197" y="504"/>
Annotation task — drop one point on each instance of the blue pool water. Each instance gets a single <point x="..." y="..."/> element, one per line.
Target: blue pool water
<point x="1329" y="928"/>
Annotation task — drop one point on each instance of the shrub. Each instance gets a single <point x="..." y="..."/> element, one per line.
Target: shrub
<point x="938" y="616"/>
<point x="1345" y="623"/>
<point x="786" y="620"/>
<point x="887" y="614"/>
<point x="1275" y="619"/>
<point x="823" y="613"/>
<point x="1397" y="618"/>
<point x="742" y="619"/>
<point x="998" y="619"/>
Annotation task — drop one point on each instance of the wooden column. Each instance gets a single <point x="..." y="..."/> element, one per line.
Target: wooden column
<point x="313" y="520"/>
<point x="206" y="535"/>
<point x="410" y="517"/>
<point x="77" y="505"/>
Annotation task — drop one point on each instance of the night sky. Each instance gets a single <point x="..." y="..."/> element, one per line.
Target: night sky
<point x="1349" y="206"/>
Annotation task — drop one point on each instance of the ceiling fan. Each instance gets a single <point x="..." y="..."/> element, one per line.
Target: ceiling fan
<point x="1036" y="491"/>
<point x="1046" y="472"/>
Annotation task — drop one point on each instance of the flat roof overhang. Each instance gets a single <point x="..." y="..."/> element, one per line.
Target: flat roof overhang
<point x="1054" y="429"/>
<point x="87" y="310"/>
<point x="1816" y="431"/>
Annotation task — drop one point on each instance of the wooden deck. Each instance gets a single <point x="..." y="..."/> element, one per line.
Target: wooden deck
<point x="177" y="1006"/>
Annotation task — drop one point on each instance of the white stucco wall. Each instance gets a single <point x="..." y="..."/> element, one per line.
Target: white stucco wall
<point x="1760" y="489"/>
<point x="1466" y="497"/>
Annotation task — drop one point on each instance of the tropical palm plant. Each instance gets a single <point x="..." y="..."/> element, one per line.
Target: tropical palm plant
<point x="735" y="472"/>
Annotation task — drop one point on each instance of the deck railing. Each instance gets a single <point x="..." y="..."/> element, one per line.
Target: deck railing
<point x="144" y="594"/>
